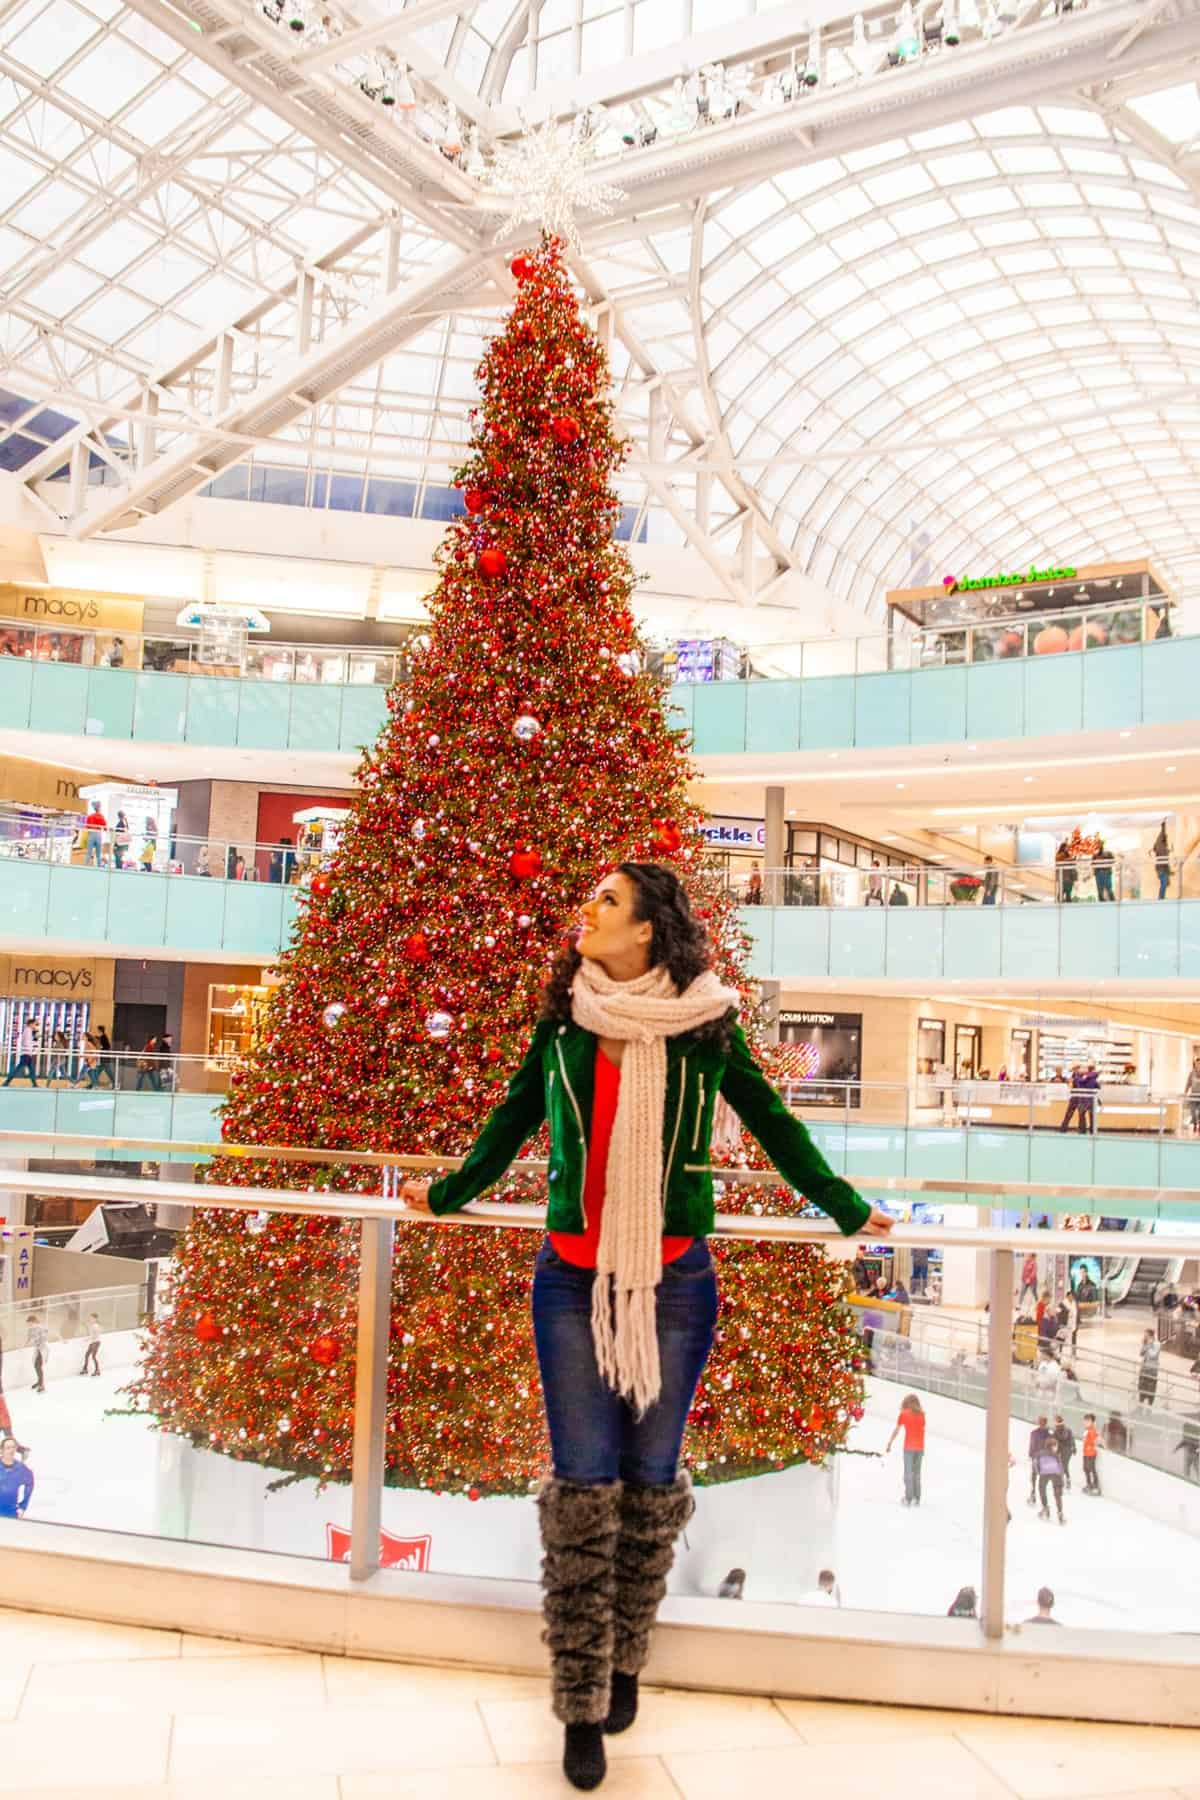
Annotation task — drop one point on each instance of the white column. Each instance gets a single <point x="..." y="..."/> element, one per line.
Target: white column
<point x="775" y="847"/>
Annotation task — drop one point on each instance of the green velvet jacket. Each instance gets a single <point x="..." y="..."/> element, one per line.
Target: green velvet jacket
<point x="554" y="1083"/>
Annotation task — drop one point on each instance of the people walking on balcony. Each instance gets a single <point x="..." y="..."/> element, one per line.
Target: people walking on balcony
<point x="92" y="1353"/>
<point x="1148" y="1357"/>
<point x="1191" y="1094"/>
<point x="1065" y="873"/>
<point x="1082" y="1101"/>
<point x="120" y="840"/>
<point x="24" y="1061"/>
<point x="147" y="1068"/>
<point x="149" y="845"/>
<point x="1091" y="1450"/>
<point x="95" y="825"/>
<point x="1162" y="860"/>
<point x="104" y="1043"/>
<point x="1029" y="1270"/>
<point x="620" y="1347"/>
<point x="912" y="1423"/>
<point x="60" y="1050"/>
<point x="754" y="888"/>
<point x="874" y="894"/>
<point x="1102" y="869"/>
<point x="1050" y="1474"/>
<point x="991" y="881"/>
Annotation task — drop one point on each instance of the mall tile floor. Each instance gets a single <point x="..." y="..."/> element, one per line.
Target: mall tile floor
<point x="113" y="1712"/>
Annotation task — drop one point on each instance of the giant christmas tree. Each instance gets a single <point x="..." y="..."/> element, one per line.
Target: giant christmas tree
<point x="527" y="755"/>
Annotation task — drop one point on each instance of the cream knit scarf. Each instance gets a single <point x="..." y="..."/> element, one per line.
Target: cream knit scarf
<point x="644" y="1013"/>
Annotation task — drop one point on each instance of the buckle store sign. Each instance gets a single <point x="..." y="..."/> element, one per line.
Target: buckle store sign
<point x="735" y="834"/>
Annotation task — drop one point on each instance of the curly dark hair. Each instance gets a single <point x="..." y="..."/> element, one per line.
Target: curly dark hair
<point x="679" y="943"/>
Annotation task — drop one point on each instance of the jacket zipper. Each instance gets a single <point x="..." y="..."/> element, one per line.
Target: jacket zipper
<point x="699" y="1116"/>
<point x="675" y="1133"/>
<point x="582" y="1134"/>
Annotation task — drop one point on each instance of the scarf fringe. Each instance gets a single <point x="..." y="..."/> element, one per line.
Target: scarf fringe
<point x="625" y="1337"/>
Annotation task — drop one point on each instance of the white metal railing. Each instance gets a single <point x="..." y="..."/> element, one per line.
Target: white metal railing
<point x="379" y="1215"/>
<point x="1112" y="878"/>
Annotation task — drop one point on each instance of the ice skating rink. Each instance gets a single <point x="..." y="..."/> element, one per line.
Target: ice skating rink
<point x="1111" y="1566"/>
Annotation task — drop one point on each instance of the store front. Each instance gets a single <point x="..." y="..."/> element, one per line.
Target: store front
<point x="828" y="868"/>
<point x="60" y="1000"/>
<point x="69" y="626"/>
<point x="235" y="1018"/>
<point x="138" y="830"/>
<point x="821" y="1057"/>
<point x="1037" y="612"/>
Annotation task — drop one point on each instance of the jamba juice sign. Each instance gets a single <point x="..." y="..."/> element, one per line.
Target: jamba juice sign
<point x="965" y="584"/>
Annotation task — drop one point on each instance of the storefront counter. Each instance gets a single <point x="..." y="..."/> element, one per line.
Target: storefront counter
<point x="1043" y="1105"/>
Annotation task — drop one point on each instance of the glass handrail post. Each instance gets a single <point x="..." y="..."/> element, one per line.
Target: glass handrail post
<point x="995" y="1473"/>
<point x="376" y="1248"/>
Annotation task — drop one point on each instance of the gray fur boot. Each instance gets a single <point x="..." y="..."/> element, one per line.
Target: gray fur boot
<point x="579" y="1543"/>
<point x="651" y="1520"/>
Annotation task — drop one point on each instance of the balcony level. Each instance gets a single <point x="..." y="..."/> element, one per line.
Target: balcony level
<point x="63" y="907"/>
<point x="1101" y="690"/>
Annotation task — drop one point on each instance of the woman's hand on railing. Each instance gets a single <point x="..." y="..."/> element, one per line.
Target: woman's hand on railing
<point x="415" y="1195"/>
<point x="877" y="1223"/>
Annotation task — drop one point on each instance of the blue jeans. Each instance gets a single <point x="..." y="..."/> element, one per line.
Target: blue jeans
<point x="912" y="1474"/>
<point x="1164" y="882"/>
<point x="595" y="1436"/>
<point x="22" y="1066"/>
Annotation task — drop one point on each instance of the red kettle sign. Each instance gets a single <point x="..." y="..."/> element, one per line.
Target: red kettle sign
<point x="394" y="1552"/>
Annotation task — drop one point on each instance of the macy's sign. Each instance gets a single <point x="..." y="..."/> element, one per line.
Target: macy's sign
<point x="394" y="1552"/>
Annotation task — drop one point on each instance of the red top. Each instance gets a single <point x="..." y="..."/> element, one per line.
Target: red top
<point x="580" y="1247"/>
<point x="913" y="1424"/>
<point x="95" y="817"/>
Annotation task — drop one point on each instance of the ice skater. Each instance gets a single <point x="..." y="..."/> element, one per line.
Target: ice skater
<point x="636" y="1045"/>
<point x="92" y="1353"/>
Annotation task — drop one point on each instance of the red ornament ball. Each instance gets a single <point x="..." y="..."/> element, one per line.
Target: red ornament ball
<point x="492" y="562"/>
<point x="564" y="429"/>
<point x="322" y="885"/>
<point x="494" y="1053"/>
<point x="472" y="1493"/>
<point x="325" y="1349"/>
<point x="207" y="1329"/>
<point x="416" y="947"/>
<point x="667" y="838"/>
<point x="522" y="268"/>
<point x="525" y="864"/>
<point x="475" y="499"/>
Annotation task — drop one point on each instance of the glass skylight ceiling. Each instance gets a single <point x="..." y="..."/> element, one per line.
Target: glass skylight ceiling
<point x="958" y="350"/>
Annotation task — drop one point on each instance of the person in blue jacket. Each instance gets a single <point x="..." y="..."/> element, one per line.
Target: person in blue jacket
<point x="16" y="1481"/>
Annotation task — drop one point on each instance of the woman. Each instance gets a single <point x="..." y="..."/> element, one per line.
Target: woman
<point x="636" y="1041"/>
<point x="1162" y="860"/>
<point x="60" y="1052"/>
<point x="120" y="841"/>
<point x="965" y="1604"/>
<point x="147" y="1066"/>
<point x="912" y="1423"/>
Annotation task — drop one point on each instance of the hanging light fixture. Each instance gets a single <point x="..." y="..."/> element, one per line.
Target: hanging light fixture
<point x="812" y="62"/>
<point x="907" y="45"/>
<point x="474" y="164"/>
<point x="951" y="33"/>
<point x="406" y="100"/>
<point x="451" y="140"/>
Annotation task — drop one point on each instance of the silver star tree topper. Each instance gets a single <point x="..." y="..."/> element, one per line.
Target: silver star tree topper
<point x="546" y="176"/>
